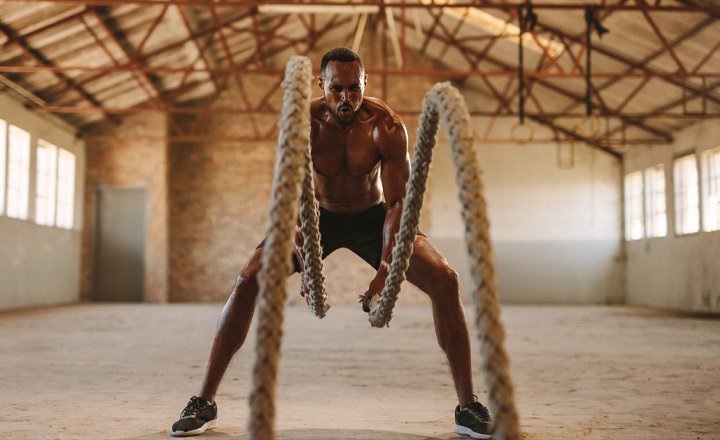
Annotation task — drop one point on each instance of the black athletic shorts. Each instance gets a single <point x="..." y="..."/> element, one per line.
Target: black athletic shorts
<point x="361" y="233"/>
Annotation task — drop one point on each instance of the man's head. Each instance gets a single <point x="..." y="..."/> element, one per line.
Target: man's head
<point x="342" y="80"/>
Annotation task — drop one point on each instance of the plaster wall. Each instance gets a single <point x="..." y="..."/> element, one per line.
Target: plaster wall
<point x="40" y="265"/>
<point x="679" y="272"/>
<point x="555" y="229"/>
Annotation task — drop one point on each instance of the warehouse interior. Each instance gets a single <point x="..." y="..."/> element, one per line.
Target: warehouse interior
<point x="137" y="149"/>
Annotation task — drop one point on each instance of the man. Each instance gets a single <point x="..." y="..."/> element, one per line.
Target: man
<point x="357" y="142"/>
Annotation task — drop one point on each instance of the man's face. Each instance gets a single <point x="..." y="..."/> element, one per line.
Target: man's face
<point x="343" y="84"/>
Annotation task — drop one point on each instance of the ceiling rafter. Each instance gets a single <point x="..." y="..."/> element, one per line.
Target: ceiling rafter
<point x="661" y="37"/>
<point x="151" y="85"/>
<point x="38" y="57"/>
<point x="685" y="6"/>
<point x="671" y="79"/>
<point x="676" y="103"/>
<point x="551" y="86"/>
<point x="450" y="41"/>
<point x="684" y="36"/>
<point x="138" y="65"/>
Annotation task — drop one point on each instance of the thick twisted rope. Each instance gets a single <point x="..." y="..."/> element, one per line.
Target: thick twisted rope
<point x="312" y="271"/>
<point x="444" y="101"/>
<point x="276" y="263"/>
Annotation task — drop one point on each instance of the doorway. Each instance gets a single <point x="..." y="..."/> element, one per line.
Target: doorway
<point x="120" y="244"/>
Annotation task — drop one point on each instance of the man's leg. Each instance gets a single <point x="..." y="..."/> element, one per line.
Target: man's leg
<point x="430" y="272"/>
<point x="232" y="328"/>
<point x="200" y="413"/>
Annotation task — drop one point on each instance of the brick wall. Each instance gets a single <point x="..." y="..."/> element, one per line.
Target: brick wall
<point x="124" y="159"/>
<point x="219" y="193"/>
<point x="209" y="200"/>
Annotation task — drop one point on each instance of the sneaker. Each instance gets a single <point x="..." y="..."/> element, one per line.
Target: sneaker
<point x="473" y="420"/>
<point x="198" y="416"/>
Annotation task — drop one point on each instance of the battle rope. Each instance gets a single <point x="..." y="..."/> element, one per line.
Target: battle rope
<point x="293" y="143"/>
<point x="444" y="101"/>
<point x="293" y="160"/>
<point x="312" y="273"/>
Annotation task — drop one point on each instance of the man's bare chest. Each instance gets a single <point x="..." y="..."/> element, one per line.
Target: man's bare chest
<point x="349" y="153"/>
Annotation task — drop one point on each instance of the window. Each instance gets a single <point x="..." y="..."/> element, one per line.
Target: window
<point x="655" y="211"/>
<point x="65" y="189"/>
<point x="46" y="182"/>
<point x="634" y="206"/>
<point x="18" y="173"/>
<point x="711" y="190"/>
<point x="3" y="139"/>
<point x="687" y="200"/>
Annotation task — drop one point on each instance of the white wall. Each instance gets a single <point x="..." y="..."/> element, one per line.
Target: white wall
<point x="677" y="272"/>
<point x="40" y="264"/>
<point x="556" y="232"/>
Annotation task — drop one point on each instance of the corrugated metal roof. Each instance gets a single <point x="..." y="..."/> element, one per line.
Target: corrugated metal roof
<point x="130" y="54"/>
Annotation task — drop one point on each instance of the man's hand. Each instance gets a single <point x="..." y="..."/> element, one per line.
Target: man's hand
<point x="300" y="256"/>
<point x="376" y="286"/>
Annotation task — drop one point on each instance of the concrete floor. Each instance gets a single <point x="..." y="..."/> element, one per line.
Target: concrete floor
<point x="126" y="371"/>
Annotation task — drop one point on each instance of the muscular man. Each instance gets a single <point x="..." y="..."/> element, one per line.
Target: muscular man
<point x="357" y="142"/>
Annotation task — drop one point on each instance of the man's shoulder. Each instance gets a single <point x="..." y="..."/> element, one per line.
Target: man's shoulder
<point x="379" y="111"/>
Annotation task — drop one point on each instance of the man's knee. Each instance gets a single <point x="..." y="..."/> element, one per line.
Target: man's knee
<point x="448" y="278"/>
<point x="445" y="284"/>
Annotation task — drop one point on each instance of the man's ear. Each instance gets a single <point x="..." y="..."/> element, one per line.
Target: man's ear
<point x="365" y="80"/>
<point x="320" y="82"/>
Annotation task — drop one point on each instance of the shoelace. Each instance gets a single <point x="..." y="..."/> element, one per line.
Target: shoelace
<point x="479" y="411"/>
<point x="192" y="409"/>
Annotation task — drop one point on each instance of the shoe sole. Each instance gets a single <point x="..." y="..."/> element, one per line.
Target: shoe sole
<point x="208" y="425"/>
<point x="464" y="430"/>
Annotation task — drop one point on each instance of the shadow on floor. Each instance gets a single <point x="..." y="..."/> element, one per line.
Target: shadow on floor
<point x="308" y="434"/>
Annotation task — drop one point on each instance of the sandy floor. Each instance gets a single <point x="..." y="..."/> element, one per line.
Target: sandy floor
<point x="126" y="371"/>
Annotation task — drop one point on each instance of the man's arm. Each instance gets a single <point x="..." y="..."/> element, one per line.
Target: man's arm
<point x="391" y="137"/>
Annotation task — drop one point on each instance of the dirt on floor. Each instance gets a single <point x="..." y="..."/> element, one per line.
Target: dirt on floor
<point x="126" y="371"/>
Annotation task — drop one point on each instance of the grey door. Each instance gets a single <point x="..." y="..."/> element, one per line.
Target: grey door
<point x="120" y="244"/>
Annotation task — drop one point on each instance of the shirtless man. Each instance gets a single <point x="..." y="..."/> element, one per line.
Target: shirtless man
<point x="357" y="142"/>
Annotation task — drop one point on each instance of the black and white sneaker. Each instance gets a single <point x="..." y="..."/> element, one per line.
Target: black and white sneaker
<point x="473" y="420"/>
<point x="198" y="416"/>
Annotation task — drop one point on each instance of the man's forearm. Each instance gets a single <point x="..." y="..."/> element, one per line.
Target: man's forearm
<point x="390" y="229"/>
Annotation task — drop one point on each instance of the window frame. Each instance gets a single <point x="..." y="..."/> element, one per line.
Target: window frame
<point x="710" y="186"/>
<point x="677" y="207"/>
<point x="21" y="166"/>
<point x="66" y="191"/>
<point x="637" y="200"/>
<point x="51" y="183"/>
<point x="3" y="163"/>
<point x="651" y="196"/>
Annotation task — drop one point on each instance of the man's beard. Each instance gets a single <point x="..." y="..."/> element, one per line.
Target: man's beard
<point x="336" y="115"/>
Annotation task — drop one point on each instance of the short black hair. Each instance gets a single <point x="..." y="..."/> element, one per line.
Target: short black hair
<point x="342" y="54"/>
